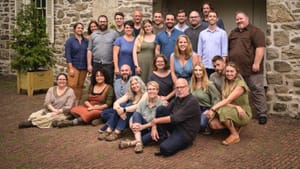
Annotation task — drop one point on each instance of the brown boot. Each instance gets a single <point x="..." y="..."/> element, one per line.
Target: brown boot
<point x="64" y="123"/>
<point x="25" y="124"/>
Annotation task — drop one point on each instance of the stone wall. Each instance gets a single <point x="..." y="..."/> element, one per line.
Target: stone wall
<point x="7" y="20"/>
<point x="282" y="59"/>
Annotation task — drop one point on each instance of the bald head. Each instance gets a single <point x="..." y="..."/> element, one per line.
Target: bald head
<point x="125" y="72"/>
<point x="241" y="20"/>
<point x="182" y="88"/>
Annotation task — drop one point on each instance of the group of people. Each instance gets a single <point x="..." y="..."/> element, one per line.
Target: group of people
<point x="165" y="81"/>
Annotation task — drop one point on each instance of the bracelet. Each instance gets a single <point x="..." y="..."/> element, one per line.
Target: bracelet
<point x="213" y="110"/>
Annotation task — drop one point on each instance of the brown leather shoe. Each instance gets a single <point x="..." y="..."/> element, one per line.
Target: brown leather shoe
<point x="113" y="136"/>
<point x="103" y="135"/>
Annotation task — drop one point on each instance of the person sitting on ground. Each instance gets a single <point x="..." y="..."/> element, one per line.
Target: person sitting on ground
<point x="162" y="75"/>
<point x="120" y="88"/>
<point x="206" y="93"/>
<point x="140" y="122"/>
<point x="100" y="97"/>
<point x="58" y="102"/>
<point x="218" y="76"/>
<point x="122" y="110"/>
<point x="234" y="111"/>
<point x="180" y="118"/>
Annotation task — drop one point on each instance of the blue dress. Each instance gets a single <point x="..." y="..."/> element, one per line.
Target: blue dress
<point x="184" y="71"/>
<point x="125" y="53"/>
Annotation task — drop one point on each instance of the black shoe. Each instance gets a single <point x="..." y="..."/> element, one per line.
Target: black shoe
<point x="262" y="120"/>
<point x="64" y="123"/>
<point x="25" y="124"/>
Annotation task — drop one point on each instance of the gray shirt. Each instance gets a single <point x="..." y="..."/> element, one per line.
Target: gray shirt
<point x="101" y="46"/>
<point x="119" y="88"/>
<point x="217" y="79"/>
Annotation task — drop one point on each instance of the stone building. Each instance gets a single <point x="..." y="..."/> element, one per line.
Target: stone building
<point x="280" y="19"/>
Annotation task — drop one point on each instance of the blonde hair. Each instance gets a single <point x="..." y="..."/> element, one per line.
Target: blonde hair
<point x="188" y="52"/>
<point x="154" y="84"/>
<point x="204" y="80"/>
<point x="141" y="36"/>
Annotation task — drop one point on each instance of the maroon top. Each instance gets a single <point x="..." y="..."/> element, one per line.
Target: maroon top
<point x="242" y="45"/>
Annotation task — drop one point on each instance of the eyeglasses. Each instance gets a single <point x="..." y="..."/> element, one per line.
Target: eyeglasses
<point x="180" y="87"/>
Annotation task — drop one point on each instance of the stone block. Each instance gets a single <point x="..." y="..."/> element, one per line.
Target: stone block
<point x="279" y="13"/>
<point x="297" y="83"/>
<point x="284" y="97"/>
<point x="281" y="89"/>
<point x="281" y="38"/>
<point x="282" y="67"/>
<point x="272" y="53"/>
<point x="296" y="40"/>
<point x="292" y="26"/>
<point x="274" y="79"/>
<point x="279" y="107"/>
<point x="291" y="52"/>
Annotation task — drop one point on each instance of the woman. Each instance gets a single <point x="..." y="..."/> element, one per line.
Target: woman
<point x="234" y="111"/>
<point x="58" y="102"/>
<point x="206" y="93"/>
<point x="122" y="110"/>
<point x="100" y="97"/>
<point x="93" y="26"/>
<point x="140" y="122"/>
<point x="76" y="56"/>
<point x="183" y="59"/>
<point x="123" y="47"/>
<point x="143" y="50"/>
<point x="162" y="75"/>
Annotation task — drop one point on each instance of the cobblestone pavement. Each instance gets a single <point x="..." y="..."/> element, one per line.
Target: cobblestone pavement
<point x="275" y="145"/>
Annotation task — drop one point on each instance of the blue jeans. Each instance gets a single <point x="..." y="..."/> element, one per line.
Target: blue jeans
<point x="176" y="141"/>
<point x="115" y="121"/>
<point x="146" y="133"/>
<point x="203" y="118"/>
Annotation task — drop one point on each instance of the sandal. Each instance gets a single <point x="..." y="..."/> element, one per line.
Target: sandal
<point x="113" y="136"/>
<point x="125" y="144"/>
<point x="103" y="135"/>
<point x="231" y="140"/>
<point x="138" y="147"/>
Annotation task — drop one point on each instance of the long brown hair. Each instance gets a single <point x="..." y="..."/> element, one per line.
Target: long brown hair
<point x="204" y="80"/>
<point x="229" y="85"/>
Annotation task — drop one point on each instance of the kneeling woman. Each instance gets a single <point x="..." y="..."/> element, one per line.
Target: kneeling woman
<point x="123" y="109"/>
<point x="58" y="102"/>
<point x="140" y="122"/>
<point x="100" y="97"/>
<point x="234" y="111"/>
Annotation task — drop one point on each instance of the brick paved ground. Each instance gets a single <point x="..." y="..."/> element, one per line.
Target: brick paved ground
<point x="275" y="145"/>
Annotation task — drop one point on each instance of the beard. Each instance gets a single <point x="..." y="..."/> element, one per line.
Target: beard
<point x="125" y="78"/>
<point x="103" y="27"/>
<point x="170" y="25"/>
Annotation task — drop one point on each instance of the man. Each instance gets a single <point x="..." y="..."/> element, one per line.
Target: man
<point x="195" y="28"/>
<point x="181" y="19"/>
<point x="119" y="21"/>
<point x="120" y="85"/>
<point x="246" y="49"/>
<point x="158" y="22"/>
<point x="180" y="118"/>
<point x="100" y="48"/>
<point x="218" y="76"/>
<point x="212" y="41"/>
<point x="137" y="18"/>
<point x="166" y="39"/>
<point x="206" y="7"/>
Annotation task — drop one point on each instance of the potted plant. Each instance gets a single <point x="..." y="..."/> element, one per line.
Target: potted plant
<point x="33" y="54"/>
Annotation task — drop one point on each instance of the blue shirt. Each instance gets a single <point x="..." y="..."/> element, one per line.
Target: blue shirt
<point x="220" y="23"/>
<point x="183" y="71"/>
<point x="125" y="52"/>
<point x="212" y="43"/>
<point x="76" y="53"/>
<point x="120" y="88"/>
<point x="166" y="42"/>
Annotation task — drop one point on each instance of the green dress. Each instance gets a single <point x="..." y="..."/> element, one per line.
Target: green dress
<point x="145" y="59"/>
<point x="226" y="112"/>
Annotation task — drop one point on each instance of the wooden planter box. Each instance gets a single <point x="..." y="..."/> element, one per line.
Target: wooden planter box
<point x="31" y="81"/>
